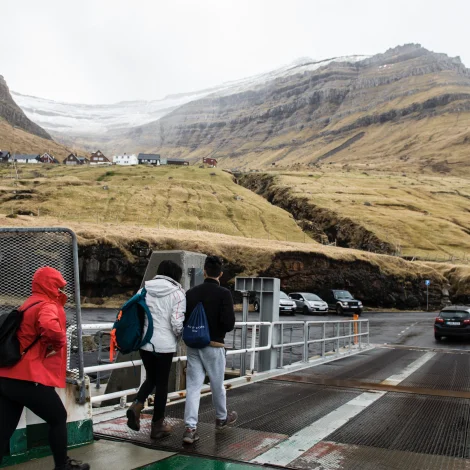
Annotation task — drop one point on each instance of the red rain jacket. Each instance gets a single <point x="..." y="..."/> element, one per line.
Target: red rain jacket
<point x="46" y="319"/>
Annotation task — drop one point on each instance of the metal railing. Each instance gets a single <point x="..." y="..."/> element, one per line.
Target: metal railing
<point x="138" y="363"/>
<point x="338" y="340"/>
<point x="344" y="335"/>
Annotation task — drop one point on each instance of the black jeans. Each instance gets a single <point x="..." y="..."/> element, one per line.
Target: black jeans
<point x="42" y="401"/>
<point x="157" y="367"/>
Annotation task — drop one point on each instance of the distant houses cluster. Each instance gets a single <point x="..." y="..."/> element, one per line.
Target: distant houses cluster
<point x="98" y="158"/>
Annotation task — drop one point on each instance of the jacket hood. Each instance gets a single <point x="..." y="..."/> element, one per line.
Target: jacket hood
<point x="47" y="281"/>
<point x="161" y="286"/>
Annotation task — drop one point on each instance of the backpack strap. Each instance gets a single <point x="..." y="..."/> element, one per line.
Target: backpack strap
<point x="38" y="337"/>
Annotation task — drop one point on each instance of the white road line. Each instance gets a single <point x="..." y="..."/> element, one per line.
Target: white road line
<point x="290" y="449"/>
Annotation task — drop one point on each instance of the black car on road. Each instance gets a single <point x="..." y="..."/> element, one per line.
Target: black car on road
<point x="341" y="301"/>
<point x="453" y="321"/>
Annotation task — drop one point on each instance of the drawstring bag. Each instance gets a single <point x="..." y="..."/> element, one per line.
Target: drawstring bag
<point x="196" y="332"/>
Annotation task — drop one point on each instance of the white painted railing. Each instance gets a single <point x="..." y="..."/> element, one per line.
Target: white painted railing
<point x="274" y="341"/>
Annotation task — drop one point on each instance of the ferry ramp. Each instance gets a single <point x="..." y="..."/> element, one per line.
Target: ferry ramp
<point x="391" y="407"/>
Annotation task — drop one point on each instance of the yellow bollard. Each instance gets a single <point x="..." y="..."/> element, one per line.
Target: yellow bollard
<point x="355" y="318"/>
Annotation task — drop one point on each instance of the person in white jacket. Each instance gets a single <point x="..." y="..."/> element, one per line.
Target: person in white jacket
<point x="167" y="303"/>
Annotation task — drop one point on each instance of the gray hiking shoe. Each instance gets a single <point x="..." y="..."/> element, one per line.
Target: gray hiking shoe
<point x="190" y="436"/>
<point x="223" y="423"/>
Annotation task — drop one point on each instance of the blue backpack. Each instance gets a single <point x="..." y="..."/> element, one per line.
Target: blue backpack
<point x="196" y="332"/>
<point x="127" y="333"/>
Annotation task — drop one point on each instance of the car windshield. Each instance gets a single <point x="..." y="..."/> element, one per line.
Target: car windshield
<point x="283" y="295"/>
<point x="343" y="294"/>
<point x="311" y="297"/>
<point x="448" y="314"/>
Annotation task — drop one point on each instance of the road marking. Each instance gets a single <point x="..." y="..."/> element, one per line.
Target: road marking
<point x="290" y="449"/>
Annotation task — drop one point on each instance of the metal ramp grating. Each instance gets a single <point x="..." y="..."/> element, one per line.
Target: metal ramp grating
<point x="413" y="423"/>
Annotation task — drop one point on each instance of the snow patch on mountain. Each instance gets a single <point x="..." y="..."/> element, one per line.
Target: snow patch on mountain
<point x="85" y="119"/>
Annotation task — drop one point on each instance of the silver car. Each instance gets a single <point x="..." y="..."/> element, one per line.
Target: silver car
<point x="286" y="304"/>
<point x="309" y="303"/>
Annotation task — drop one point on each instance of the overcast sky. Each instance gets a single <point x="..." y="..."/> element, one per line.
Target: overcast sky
<point x="104" y="51"/>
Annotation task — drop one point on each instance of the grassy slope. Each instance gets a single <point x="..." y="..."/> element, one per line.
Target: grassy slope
<point x="423" y="215"/>
<point x="186" y="197"/>
<point x="18" y="141"/>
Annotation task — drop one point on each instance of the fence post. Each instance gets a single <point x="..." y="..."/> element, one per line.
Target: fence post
<point x="244" y="331"/>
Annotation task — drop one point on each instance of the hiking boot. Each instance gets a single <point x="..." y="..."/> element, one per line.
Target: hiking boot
<point x="73" y="464"/>
<point x="223" y="423"/>
<point x="133" y="415"/>
<point x="190" y="436"/>
<point x="160" y="429"/>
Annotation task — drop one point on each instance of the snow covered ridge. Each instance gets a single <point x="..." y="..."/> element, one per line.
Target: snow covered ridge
<point x="75" y="119"/>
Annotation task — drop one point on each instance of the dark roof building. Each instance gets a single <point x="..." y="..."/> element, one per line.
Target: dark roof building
<point x="25" y="158"/>
<point x="4" y="156"/>
<point x="73" y="159"/>
<point x="177" y="161"/>
<point x="149" y="159"/>
<point x="48" y="158"/>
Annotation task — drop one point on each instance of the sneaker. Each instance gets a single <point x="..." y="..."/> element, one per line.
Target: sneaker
<point x="223" y="423"/>
<point x="190" y="436"/>
<point x="73" y="464"/>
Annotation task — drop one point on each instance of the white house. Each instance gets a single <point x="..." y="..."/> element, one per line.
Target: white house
<point x="125" y="159"/>
<point x="23" y="158"/>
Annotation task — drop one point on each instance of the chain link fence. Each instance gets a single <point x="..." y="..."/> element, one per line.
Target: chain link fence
<point x="22" y="252"/>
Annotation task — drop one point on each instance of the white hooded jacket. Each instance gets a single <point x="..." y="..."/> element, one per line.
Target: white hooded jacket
<point x="166" y="301"/>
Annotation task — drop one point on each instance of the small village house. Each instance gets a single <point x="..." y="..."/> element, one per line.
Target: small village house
<point x="212" y="162"/>
<point x="125" y="159"/>
<point x="149" y="159"/>
<point x="48" y="158"/>
<point x="25" y="158"/>
<point x="73" y="159"/>
<point x="177" y="161"/>
<point x="4" y="156"/>
<point x="97" y="158"/>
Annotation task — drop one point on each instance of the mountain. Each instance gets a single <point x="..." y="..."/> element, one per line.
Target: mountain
<point x="18" y="134"/>
<point x="13" y="114"/>
<point x="408" y="108"/>
<point x="110" y="126"/>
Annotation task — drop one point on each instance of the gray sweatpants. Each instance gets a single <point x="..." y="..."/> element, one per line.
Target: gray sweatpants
<point x="201" y="361"/>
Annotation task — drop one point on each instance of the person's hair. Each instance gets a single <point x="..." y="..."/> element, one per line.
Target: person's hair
<point x="170" y="269"/>
<point x="213" y="266"/>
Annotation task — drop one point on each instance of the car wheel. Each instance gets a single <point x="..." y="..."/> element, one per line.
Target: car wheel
<point x="437" y="337"/>
<point x="256" y="306"/>
<point x="306" y="311"/>
<point x="339" y="310"/>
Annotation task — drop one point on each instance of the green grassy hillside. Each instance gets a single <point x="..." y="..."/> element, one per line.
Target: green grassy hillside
<point x="187" y="198"/>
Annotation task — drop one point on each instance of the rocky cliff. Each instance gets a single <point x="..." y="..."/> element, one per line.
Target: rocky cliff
<point x="13" y="114"/>
<point x="389" y="108"/>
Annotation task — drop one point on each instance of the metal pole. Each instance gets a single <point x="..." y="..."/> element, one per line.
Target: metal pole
<point x="360" y="335"/>
<point x="253" y="346"/>
<point x="100" y="346"/>
<point x="290" y="341"/>
<point x="337" y="334"/>
<point x="246" y="301"/>
<point x="281" y="359"/>
<point x="323" y="345"/>
<point x="427" y="297"/>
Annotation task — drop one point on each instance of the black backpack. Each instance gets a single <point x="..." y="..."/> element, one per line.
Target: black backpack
<point x="10" y="349"/>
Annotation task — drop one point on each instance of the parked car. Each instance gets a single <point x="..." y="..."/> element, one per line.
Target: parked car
<point x="286" y="304"/>
<point x="342" y="301"/>
<point x="308" y="303"/>
<point x="452" y="321"/>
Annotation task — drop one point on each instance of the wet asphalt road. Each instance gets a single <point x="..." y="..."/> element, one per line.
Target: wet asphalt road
<point x="414" y="329"/>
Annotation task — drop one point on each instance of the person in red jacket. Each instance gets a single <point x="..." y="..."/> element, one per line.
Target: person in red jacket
<point x="31" y="382"/>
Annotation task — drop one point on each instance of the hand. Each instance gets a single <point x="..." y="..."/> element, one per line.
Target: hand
<point x="51" y="351"/>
